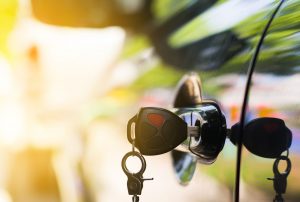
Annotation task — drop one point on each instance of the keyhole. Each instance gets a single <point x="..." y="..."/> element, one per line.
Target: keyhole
<point x="133" y="164"/>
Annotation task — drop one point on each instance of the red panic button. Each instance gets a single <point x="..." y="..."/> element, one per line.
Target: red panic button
<point x="156" y="120"/>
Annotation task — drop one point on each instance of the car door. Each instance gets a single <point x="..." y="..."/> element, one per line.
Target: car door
<point x="218" y="43"/>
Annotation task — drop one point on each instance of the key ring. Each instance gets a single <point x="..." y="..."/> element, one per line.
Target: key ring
<point x="288" y="167"/>
<point x="135" y="180"/>
<point x="280" y="178"/>
<point x="137" y="154"/>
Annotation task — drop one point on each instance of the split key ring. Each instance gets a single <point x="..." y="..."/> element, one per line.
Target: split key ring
<point x="135" y="180"/>
<point x="142" y="159"/>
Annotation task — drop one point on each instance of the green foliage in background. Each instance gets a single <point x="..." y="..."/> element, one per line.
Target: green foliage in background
<point x="284" y="21"/>
<point x="163" y="9"/>
<point x="160" y="76"/>
<point x="282" y="42"/>
<point x="222" y="170"/>
<point x="255" y="170"/>
<point x="134" y="45"/>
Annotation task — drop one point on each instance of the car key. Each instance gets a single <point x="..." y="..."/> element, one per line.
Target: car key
<point x="157" y="130"/>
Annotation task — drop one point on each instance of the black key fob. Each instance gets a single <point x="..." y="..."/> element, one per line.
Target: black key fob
<point x="156" y="130"/>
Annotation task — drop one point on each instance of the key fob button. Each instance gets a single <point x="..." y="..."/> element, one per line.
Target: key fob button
<point x="156" y="120"/>
<point x="147" y="132"/>
<point x="170" y="131"/>
<point x="155" y="143"/>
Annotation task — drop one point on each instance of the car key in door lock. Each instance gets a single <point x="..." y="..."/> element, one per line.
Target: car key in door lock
<point x="154" y="131"/>
<point x="158" y="130"/>
<point x="135" y="180"/>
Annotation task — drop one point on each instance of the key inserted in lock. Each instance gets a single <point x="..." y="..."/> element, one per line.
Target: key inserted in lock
<point x="158" y="130"/>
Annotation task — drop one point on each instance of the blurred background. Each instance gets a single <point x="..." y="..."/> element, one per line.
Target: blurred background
<point x="72" y="73"/>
